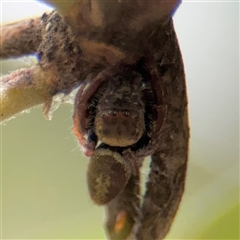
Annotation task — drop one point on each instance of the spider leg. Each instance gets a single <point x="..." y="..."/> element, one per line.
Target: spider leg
<point x="166" y="180"/>
<point x="123" y="211"/>
<point x="164" y="187"/>
<point x="160" y="108"/>
<point x="20" y="38"/>
<point x="133" y="159"/>
<point x="80" y="119"/>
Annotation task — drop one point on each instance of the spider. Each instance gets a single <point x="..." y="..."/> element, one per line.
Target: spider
<point x="131" y="102"/>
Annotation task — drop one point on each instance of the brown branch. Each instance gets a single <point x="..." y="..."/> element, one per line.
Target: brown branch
<point x="22" y="90"/>
<point x="20" y="38"/>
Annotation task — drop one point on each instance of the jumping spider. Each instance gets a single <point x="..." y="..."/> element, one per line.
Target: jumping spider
<point x="131" y="102"/>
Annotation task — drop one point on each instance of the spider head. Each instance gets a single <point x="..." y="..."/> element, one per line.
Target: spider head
<point x="119" y="119"/>
<point x="116" y="108"/>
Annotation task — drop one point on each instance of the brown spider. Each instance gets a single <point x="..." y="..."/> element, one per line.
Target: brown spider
<point x="132" y="98"/>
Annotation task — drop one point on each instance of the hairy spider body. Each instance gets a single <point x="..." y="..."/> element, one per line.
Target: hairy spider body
<point x="119" y="119"/>
<point x="121" y="112"/>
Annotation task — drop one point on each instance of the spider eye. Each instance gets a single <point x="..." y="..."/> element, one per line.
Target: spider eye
<point x="117" y="127"/>
<point x="108" y="173"/>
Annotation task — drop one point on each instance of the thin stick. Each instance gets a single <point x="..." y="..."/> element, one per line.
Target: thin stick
<point x="20" y="38"/>
<point x="22" y="90"/>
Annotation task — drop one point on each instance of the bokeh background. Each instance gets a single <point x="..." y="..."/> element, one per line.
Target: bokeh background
<point x="43" y="172"/>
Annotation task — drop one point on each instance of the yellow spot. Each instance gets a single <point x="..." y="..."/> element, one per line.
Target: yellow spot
<point x="120" y="221"/>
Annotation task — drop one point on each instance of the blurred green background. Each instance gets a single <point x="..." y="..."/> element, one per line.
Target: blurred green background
<point x="43" y="172"/>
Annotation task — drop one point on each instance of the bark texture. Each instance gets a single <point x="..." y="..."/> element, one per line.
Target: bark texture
<point x="20" y="38"/>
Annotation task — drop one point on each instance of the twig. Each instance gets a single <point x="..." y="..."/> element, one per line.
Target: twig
<point x="20" y="90"/>
<point x="20" y="38"/>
